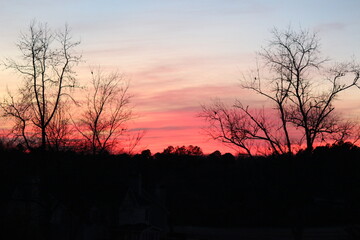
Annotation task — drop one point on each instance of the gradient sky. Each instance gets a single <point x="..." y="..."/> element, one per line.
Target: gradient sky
<point x="179" y="54"/>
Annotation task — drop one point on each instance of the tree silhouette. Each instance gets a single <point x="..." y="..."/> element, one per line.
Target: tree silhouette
<point x="106" y="112"/>
<point x="184" y="150"/>
<point x="46" y="65"/>
<point x="298" y="81"/>
<point x="294" y="60"/>
<point x="228" y="126"/>
<point x="60" y="131"/>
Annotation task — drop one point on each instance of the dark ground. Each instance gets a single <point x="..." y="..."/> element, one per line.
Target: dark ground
<point x="318" y="191"/>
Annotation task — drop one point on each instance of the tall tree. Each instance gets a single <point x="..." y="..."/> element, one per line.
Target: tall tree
<point x="46" y="65"/>
<point x="106" y="112"/>
<point x="309" y="88"/>
<point x="302" y="88"/>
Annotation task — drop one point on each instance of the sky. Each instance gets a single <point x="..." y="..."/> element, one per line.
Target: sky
<point x="179" y="54"/>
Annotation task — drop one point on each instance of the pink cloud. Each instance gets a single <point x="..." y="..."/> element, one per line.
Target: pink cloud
<point x="176" y="128"/>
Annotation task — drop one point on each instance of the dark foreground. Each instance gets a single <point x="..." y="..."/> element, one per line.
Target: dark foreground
<point x="324" y="233"/>
<point x="69" y="195"/>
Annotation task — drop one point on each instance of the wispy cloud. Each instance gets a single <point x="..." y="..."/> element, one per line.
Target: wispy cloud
<point x="165" y="128"/>
<point x="333" y="26"/>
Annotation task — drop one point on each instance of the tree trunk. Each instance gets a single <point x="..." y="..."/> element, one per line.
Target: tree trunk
<point x="309" y="143"/>
<point x="43" y="139"/>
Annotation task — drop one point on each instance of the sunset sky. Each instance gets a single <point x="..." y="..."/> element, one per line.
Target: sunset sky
<point x="179" y="54"/>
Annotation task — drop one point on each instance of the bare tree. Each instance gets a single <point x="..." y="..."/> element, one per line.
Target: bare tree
<point x="301" y="88"/>
<point x="60" y="131"/>
<point x="227" y="125"/>
<point x="134" y="140"/>
<point x="106" y="112"/>
<point x="294" y="58"/>
<point x="346" y="131"/>
<point x="241" y="127"/>
<point x="18" y="109"/>
<point x="46" y="65"/>
<point x="277" y="93"/>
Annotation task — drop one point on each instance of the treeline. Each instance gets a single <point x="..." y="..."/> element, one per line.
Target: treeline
<point x="202" y="190"/>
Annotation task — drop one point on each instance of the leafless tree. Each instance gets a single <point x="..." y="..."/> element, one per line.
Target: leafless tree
<point x="46" y="65"/>
<point x="107" y="109"/>
<point x="60" y="131"/>
<point x="134" y="141"/>
<point x="241" y="127"/>
<point x="277" y="92"/>
<point x="294" y="59"/>
<point x="18" y="109"/>
<point x="346" y="131"/>
<point x="301" y="87"/>
<point x="227" y="125"/>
